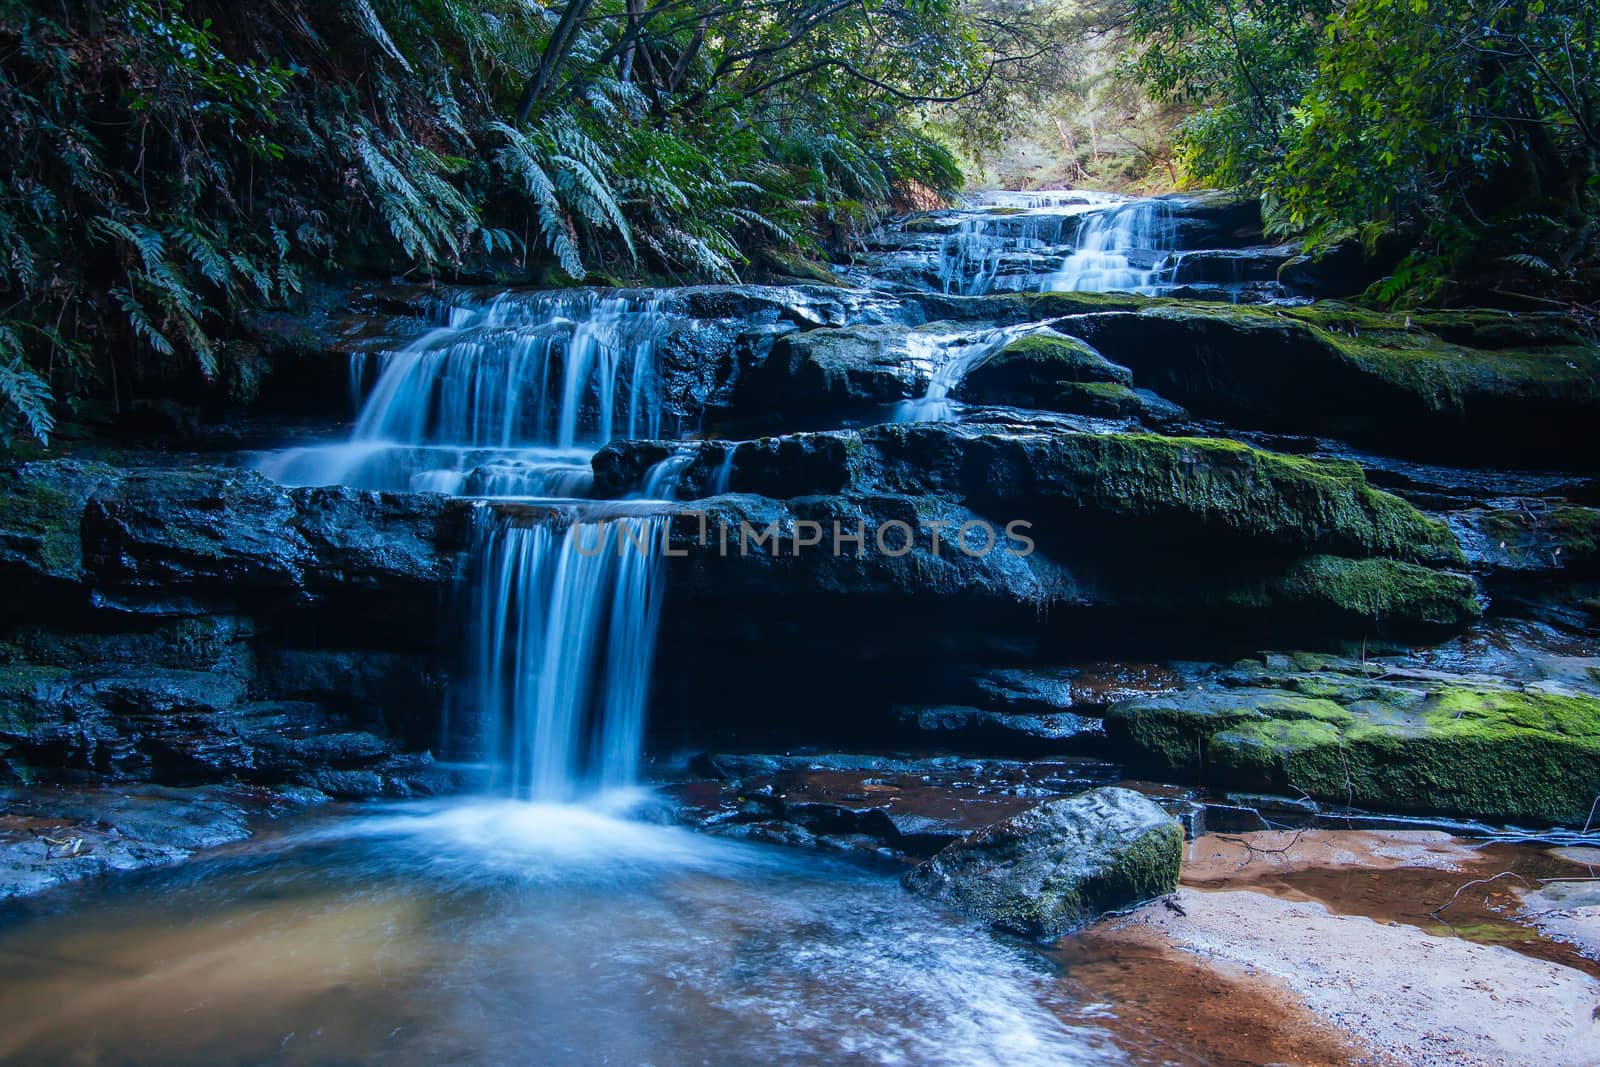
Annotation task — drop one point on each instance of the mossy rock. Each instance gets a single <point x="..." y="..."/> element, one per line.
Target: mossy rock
<point x="787" y="265"/>
<point x="1377" y="590"/>
<point x="1059" y="865"/>
<point x="1469" y="386"/>
<point x="1105" y="399"/>
<point x="1487" y="753"/>
<point x="1030" y="371"/>
<point x="41" y="516"/>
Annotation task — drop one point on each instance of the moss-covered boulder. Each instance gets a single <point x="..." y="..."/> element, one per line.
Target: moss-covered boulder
<point x="1472" y="750"/>
<point x="1172" y="488"/>
<point x="1059" y="865"/>
<point x="1375" y="591"/>
<point x="1473" y="386"/>
<point x="1028" y="371"/>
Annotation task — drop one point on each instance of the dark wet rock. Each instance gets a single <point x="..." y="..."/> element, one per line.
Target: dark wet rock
<point x="170" y="646"/>
<point x="829" y="370"/>
<point x="975" y="729"/>
<point x="1085" y="687"/>
<point x="1191" y="486"/>
<point x="1059" y="865"/>
<point x="1229" y="267"/>
<point x="1470" y="386"/>
<point x="53" y="836"/>
<point x="1051" y="372"/>
<point x="1215" y="219"/>
<point x="912" y="805"/>
<point x="1532" y="537"/>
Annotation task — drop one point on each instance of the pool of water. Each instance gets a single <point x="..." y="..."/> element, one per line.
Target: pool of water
<point x="475" y="932"/>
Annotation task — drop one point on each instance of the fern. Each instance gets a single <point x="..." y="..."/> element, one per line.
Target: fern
<point x="24" y="396"/>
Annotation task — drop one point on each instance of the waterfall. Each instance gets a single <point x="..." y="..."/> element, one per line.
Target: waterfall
<point x="1126" y="248"/>
<point x="661" y="480"/>
<point x="565" y="635"/>
<point x="507" y="399"/>
<point x="985" y="253"/>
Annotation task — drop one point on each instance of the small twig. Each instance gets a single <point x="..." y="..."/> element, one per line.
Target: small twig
<point x="1477" y="881"/>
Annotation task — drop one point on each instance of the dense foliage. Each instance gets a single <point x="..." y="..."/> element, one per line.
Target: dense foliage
<point x="173" y="164"/>
<point x="1469" y="125"/>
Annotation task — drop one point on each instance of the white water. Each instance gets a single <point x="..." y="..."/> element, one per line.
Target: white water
<point x="972" y="256"/>
<point x="508" y="399"/>
<point x="566" y="626"/>
<point x="950" y="358"/>
<point x="1127" y="248"/>
<point x="501" y="933"/>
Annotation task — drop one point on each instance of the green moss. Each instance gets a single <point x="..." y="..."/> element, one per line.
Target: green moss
<point x="1381" y="590"/>
<point x="1147" y="869"/>
<point x="1060" y="357"/>
<point x="1097" y="398"/>
<point x="1174" y="731"/>
<point x="41" y="510"/>
<point x="1483" y="753"/>
<point x="794" y="266"/>
<point x="1308" y="504"/>
<point x="1536" y="360"/>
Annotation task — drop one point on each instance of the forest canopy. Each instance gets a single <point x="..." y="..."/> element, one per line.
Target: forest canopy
<point x="174" y="164"/>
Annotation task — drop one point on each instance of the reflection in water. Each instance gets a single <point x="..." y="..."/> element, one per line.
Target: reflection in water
<point x="501" y="932"/>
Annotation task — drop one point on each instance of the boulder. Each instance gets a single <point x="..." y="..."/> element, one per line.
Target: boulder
<point x="1058" y="866"/>
<point x="829" y="370"/>
<point x="1033" y="370"/>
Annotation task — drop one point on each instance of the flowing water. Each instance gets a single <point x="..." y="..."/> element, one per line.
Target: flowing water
<point x="479" y="932"/>
<point x="1068" y="241"/>
<point x="1127" y="248"/>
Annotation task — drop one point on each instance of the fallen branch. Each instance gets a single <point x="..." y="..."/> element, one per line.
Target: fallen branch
<point x="1477" y="881"/>
<point x="1255" y="850"/>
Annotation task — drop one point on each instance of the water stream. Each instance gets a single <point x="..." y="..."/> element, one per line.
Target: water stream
<point x="499" y="932"/>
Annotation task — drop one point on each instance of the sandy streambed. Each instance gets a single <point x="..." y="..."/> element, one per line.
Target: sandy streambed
<point x="1331" y="947"/>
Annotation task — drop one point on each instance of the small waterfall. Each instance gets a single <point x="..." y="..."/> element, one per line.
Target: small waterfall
<point x="565" y="629"/>
<point x="661" y="480"/>
<point x="1121" y="249"/>
<point x="951" y="358"/>
<point x="984" y="253"/>
<point x="722" y="477"/>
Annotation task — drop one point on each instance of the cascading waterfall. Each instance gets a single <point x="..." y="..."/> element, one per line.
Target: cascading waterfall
<point x="1128" y="248"/>
<point x="974" y="254"/>
<point x="509" y="398"/>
